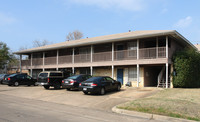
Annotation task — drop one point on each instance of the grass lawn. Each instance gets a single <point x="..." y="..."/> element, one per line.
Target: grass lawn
<point x="180" y="103"/>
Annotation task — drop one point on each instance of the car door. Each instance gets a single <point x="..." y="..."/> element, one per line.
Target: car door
<point x="29" y="80"/>
<point x="108" y="83"/>
<point x="112" y="82"/>
<point x="24" y="79"/>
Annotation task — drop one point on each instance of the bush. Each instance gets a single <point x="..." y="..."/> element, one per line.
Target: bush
<point x="186" y="69"/>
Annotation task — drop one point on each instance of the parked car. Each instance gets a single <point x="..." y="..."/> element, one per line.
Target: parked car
<point x="51" y="78"/>
<point x="19" y="79"/>
<point x="99" y="85"/>
<point x="2" y="77"/>
<point x="74" y="81"/>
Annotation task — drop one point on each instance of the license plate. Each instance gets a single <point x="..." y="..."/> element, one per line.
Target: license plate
<point x="66" y="81"/>
<point x="42" y="83"/>
<point x="85" y="89"/>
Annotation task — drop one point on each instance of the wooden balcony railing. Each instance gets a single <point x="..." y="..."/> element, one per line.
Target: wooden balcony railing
<point x="50" y="60"/>
<point x="37" y="61"/>
<point x="151" y="53"/>
<point x="162" y="52"/>
<point x="145" y="53"/>
<point x="26" y="62"/>
<point x="82" y="58"/>
<point x="125" y="55"/>
<point x="65" y="59"/>
<point x="104" y="56"/>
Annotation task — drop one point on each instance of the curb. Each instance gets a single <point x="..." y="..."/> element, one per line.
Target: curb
<point x="148" y="116"/>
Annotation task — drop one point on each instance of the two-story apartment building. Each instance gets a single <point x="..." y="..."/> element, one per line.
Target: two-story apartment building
<point x="142" y="58"/>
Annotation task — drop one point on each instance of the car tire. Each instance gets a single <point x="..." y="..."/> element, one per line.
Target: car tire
<point x="85" y="92"/>
<point x="35" y="84"/>
<point x="16" y="83"/>
<point x="46" y="87"/>
<point x="102" y="91"/>
<point x="68" y="89"/>
<point x="118" y="88"/>
<point x="56" y="86"/>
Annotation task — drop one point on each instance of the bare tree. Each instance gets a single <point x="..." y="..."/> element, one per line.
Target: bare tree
<point x="37" y="43"/>
<point x="74" y="35"/>
<point x="23" y="48"/>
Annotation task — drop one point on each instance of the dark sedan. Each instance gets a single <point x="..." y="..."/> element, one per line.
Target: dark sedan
<point x="74" y="81"/>
<point x="99" y="85"/>
<point x="19" y="79"/>
<point x="2" y="77"/>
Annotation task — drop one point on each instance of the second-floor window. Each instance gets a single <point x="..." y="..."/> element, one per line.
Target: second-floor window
<point x="132" y="49"/>
<point x="85" y="53"/>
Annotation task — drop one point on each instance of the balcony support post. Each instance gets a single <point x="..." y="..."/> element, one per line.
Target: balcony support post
<point x="43" y="60"/>
<point x="138" y="49"/>
<point x="167" y="75"/>
<point x="91" y="53"/>
<point x="31" y="73"/>
<point x="138" y="75"/>
<point x="91" y="70"/>
<point x="113" y="51"/>
<point x="167" y="47"/>
<point x="73" y="70"/>
<point x="113" y="71"/>
<point x="156" y="47"/>
<point x="73" y="56"/>
<point x="57" y="58"/>
<point x="20" y="63"/>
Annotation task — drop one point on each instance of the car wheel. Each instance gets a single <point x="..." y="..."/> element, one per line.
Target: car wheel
<point x="16" y="83"/>
<point x="56" y="86"/>
<point x="118" y="87"/>
<point x="102" y="91"/>
<point x="35" y="84"/>
<point x="46" y="87"/>
<point x="68" y="89"/>
<point x="85" y="92"/>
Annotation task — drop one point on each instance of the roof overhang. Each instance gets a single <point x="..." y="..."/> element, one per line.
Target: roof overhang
<point x="111" y="38"/>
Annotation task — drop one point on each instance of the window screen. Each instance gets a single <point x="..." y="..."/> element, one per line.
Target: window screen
<point x="132" y="74"/>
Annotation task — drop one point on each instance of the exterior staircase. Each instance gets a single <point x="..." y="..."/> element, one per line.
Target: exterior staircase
<point x="162" y="79"/>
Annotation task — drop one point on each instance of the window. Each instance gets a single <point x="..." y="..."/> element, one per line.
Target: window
<point x="43" y="75"/>
<point x="109" y="79"/>
<point x="28" y="77"/>
<point x="55" y="74"/>
<point x="132" y="74"/>
<point x="85" y="53"/>
<point x="20" y="77"/>
<point x="132" y="49"/>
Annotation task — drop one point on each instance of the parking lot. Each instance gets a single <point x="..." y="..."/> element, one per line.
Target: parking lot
<point x="77" y="98"/>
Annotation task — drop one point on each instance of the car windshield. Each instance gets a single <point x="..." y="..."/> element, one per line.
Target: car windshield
<point x="94" y="79"/>
<point x="73" y="77"/>
<point x="43" y="75"/>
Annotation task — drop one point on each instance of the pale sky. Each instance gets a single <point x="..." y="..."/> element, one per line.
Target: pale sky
<point x="23" y="21"/>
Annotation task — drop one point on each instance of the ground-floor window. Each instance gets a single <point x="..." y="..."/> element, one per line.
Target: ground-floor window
<point x="132" y="74"/>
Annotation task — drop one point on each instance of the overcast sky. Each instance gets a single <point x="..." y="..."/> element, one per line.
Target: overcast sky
<point x="23" y="21"/>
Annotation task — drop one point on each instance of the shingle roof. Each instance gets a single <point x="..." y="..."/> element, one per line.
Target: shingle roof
<point x="104" y="39"/>
<point x="197" y="46"/>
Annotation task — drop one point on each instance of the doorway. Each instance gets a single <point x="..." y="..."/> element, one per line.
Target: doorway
<point x="120" y="73"/>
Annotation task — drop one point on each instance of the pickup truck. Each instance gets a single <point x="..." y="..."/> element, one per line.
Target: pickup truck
<point x="51" y="78"/>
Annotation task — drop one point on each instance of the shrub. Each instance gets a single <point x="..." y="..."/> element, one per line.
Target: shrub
<point x="186" y="69"/>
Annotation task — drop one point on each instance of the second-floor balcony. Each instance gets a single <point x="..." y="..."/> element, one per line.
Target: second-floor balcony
<point x="144" y="53"/>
